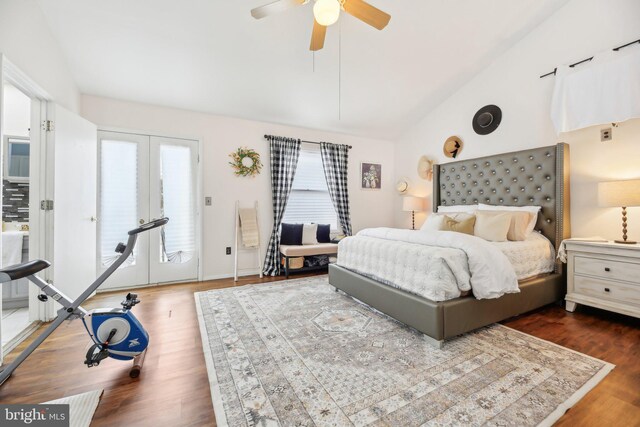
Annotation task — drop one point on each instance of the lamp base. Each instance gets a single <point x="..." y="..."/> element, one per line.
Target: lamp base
<point x="626" y="242"/>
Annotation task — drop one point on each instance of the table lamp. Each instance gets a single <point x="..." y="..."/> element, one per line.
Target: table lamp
<point x="620" y="194"/>
<point x="413" y="204"/>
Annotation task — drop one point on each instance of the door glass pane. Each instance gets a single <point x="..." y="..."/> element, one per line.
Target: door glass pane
<point x="18" y="153"/>
<point x="178" y="241"/>
<point x="118" y="197"/>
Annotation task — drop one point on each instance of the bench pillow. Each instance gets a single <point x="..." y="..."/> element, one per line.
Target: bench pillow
<point x="324" y="233"/>
<point x="309" y="232"/>
<point x="291" y="234"/>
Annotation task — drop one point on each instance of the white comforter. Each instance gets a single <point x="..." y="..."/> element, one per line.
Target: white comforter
<point x="443" y="263"/>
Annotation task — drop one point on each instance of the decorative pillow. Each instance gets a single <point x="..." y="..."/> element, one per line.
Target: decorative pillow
<point x="435" y="221"/>
<point x="309" y="232"/>
<point x="491" y="226"/>
<point x="291" y="234"/>
<point x="520" y="221"/>
<point x="463" y="226"/>
<point x="531" y="209"/>
<point x="324" y="233"/>
<point x="458" y="208"/>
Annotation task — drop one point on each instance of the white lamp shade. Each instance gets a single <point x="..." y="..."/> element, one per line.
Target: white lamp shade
<point x="619" y="193"/>
<point x="326" y="12"/>
<point x="412" y="204"/>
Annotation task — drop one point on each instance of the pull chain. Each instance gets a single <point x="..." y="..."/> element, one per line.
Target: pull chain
<point x="340" y="70"/>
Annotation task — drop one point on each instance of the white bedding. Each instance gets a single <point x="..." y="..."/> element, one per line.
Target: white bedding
<point x="436" y="265"/>
<point x="530" y="257"/>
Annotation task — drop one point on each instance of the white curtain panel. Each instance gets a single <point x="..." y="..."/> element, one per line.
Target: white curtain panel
<point x="604" y="90"/>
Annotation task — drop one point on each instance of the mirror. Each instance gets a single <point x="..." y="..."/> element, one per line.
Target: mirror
<point x="16" y="167"/>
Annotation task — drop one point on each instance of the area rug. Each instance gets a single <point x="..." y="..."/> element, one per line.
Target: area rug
<point x="297" y="353"/>
<point x="81" y="407"/>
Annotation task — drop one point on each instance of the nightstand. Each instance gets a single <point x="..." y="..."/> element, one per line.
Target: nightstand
<point x="603" y="275"/>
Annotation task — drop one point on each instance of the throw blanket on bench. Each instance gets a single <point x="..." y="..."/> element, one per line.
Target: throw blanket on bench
<point x="437" y="265"/>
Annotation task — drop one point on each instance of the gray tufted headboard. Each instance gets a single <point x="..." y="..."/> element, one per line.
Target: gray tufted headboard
<point x="538" y="177"/>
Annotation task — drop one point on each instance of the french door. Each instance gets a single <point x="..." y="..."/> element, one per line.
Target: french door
<point x="142" y="178"/>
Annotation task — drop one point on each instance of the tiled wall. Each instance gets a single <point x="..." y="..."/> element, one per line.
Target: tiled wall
<point x="15" y="201"/>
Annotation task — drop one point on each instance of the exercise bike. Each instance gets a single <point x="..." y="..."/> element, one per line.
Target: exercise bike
<point x="115" y="332"/>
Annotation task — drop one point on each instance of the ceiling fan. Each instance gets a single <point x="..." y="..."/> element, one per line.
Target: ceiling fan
<point x="326" y="13"/>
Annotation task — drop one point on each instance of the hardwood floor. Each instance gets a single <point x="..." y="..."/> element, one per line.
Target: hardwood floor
<point x="173" y="388"/>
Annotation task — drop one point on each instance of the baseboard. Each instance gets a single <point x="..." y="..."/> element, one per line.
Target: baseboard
<point x="244" y="273"/>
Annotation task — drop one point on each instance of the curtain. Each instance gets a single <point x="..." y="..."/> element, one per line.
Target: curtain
<point x="335" y="160"/>
<point x="604" y="91"/>
<point x="284" y="159"/>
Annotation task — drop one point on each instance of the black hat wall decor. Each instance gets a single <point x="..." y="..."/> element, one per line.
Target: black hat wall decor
<point x="487" y="119"/>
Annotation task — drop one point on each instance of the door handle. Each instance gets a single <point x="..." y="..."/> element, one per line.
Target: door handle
<point x="141" y="221"/>
<point x="94" y="219"/>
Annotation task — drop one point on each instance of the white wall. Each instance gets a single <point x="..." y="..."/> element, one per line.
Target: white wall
<point x="222" y="135"/>
<point x="26" y="41"/>
<point x="578" y="30"/>
<point x="16" y="112"/>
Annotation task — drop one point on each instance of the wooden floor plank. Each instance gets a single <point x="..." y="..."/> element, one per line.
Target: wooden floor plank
<point x="173" y="387"/>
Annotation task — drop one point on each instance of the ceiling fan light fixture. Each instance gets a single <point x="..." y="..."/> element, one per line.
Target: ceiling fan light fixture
<point x="326" y="12"/>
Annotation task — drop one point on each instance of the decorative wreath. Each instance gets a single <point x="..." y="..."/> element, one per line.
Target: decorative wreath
<point x="246" y="162"/>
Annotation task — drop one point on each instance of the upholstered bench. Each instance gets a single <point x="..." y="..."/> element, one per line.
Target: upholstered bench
<point x="293" y="251"/>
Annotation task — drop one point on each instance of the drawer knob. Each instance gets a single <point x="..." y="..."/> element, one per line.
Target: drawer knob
<point x="607" y="290"/>
<point x="607" y="269"/>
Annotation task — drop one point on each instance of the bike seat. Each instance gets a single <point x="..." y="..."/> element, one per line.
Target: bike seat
<point x="18" y="271"/>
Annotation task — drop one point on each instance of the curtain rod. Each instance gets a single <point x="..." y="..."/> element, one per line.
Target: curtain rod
<point x="302" y="140"/>
<point x="615" y="49"/>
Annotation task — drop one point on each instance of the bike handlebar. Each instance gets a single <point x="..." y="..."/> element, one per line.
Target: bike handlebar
<point x="149" y="225"/>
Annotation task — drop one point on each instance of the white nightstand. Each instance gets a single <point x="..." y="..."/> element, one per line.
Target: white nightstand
<point x="604" y="275"/>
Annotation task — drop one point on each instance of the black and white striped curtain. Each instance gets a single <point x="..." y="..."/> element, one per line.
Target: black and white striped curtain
<point x="335" y="160"/>
<point x="284" y="159"/>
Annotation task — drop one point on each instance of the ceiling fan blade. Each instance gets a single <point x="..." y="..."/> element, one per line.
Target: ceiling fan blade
<point x="317" y="37"/>
<point x="367" y="13"/>
<point x="275" y="7"/>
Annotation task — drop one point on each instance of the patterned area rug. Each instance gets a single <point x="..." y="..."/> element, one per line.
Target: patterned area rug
<point x="297" y="353"/>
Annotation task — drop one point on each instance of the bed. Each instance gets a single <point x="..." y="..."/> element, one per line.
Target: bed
<point x="538" y="177"/>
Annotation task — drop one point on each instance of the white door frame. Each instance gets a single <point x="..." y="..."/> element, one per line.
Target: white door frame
<point x="199" y="181"/>
<point x="38" y="173"/>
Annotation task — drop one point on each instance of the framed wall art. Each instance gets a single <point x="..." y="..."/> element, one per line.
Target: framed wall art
<point x="370" y="176"/>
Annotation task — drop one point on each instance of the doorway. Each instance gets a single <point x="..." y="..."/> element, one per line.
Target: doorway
<point x="141" y="178"/>
<point x="15" y="209"/>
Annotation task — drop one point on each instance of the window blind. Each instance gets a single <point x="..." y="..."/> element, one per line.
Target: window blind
<point x="309" y="201"/>
<point x="179" y="235"/>
<point x="118" y="196"/>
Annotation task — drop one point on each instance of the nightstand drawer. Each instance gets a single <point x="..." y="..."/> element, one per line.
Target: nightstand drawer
<point x="606" y="269"/>
<point x="597" y="288"/>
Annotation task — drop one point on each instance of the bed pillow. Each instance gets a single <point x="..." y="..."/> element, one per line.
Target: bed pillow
<point x="324" y="233"/>
<point x="520" y="220"/>
<point x="434" y="221"/>
<point x="531" y="209"/>
<point x="463" y="226"/>
<point x="458" y="208"/>
<point x="491" y="226"/>
<point x="309" y="232"/>
<point x="291" y="234"/>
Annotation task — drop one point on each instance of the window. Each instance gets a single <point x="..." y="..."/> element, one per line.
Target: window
<point x="309" y="201"/>
<point x="16" y="154"/>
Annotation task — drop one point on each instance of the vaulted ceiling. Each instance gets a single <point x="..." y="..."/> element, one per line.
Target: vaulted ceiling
<point x="212" y="56"/>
